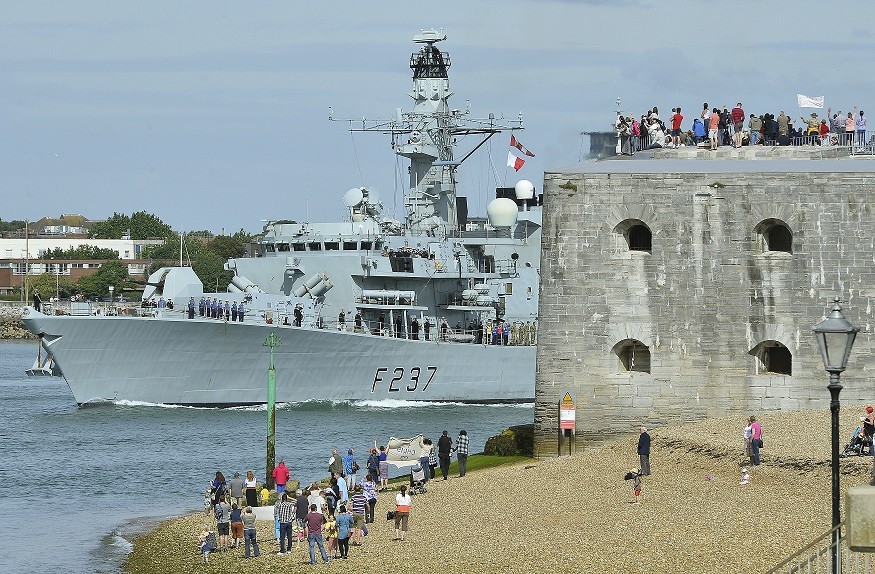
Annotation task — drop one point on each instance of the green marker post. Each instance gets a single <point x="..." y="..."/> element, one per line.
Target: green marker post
<point x="272" y="341"/>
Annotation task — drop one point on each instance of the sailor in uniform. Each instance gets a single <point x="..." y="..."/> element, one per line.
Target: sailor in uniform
<point x="299" y="315"/>
<point x="234" y="312"/>
<point x="191" y="308"/>
<point x="427" y="328"/>
<point x="227" y="313"/>
<point x="358" y="322"/>
<point x="240" y="311"/>
<point x="341" y="321"/>
<point x="414" y="329"/>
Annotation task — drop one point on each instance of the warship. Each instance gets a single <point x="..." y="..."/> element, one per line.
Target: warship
<point x="434" y="306"/>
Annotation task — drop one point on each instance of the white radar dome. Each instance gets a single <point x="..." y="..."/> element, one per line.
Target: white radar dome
<point x="524" y="189"/>
<point x="353" y="197"/>
<point x="502" y="212"/>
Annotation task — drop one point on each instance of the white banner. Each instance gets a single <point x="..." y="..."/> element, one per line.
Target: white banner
<point x="401" y="452"/>
<point x="810" y="101"/>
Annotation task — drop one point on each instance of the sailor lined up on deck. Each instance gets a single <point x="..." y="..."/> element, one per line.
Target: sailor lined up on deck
<point x="215" y="309"/>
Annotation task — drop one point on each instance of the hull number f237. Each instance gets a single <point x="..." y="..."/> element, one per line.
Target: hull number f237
<point x="400" y="379"/>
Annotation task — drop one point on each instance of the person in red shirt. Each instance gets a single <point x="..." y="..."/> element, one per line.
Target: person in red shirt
<point x="676" y="120"/>
<point x="281" y="476"/>
<point x="738" y="123"/>
<point x="824" y="131"/>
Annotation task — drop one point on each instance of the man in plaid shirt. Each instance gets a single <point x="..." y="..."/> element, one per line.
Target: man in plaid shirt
<point x="462" y="452"/>
<point x="284" y="513"/>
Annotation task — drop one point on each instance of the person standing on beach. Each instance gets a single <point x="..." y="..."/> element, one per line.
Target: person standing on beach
<point x="335" y="463"/>
<point x="432" y="458"/>
<point x="445" y="445"/>
<point x="384" y="469"/>
<point x="281" y="476"/>
<point x="756" y="438"/>
<point x="402" y="512"/>
<point x="369" y="487"/>
<point x="223" y="523"/>
<point x="284" y="513"/>
<point x="747" y="434"/>
<point x="236" y="485"/>
<point x="373" y="464"/>
<point x="313" y="530"/>
<point x="344" y="531"/>
<point x="350" y="468"/>
<point x="302" y="506"/>
<point x="462" y="452"/>
<point x="249" y="533"/>
<point x="236" y="524"/>
<point x="644" y="451"/>
<point x="251" y="489"/>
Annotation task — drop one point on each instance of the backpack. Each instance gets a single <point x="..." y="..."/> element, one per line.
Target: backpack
<point x="219" y="512"/>
<point x="211" y="542"/>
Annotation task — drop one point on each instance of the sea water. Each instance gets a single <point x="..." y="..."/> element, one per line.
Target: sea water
<point x="79" y="483"/>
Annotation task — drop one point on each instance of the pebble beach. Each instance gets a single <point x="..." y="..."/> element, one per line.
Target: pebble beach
<point x="575" y="513"/>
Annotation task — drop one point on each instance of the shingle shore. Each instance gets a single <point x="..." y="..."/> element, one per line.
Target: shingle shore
<point x="573" y="514"/>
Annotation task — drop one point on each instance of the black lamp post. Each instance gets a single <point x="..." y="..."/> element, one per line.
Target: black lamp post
<point x="835" y="337"/>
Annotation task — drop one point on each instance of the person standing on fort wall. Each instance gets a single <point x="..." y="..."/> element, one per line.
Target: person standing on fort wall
<point x="644" y="451"/>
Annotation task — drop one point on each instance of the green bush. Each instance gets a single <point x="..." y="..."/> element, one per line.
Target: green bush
<point x="518" y="440"/>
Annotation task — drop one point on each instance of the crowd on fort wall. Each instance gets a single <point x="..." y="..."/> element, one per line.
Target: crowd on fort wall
<point x="713" y="127"/>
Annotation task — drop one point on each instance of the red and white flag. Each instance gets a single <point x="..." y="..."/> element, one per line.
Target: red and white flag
<point x="515" y="143"/>
<point x="514" y="162"/>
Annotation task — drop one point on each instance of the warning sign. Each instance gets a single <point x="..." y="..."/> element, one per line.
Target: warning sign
<point x="567" y="413"/>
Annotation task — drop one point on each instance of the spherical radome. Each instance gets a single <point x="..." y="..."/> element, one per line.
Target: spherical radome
<point x="502" y="212"/>
<point x="524" y="189"/>
<point x="353" y="197"/>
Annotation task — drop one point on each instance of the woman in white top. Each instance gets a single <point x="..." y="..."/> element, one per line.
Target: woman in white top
<point x="748" y="433"/>
<point x="250" y="489"/>
<point x="402" y="512"/>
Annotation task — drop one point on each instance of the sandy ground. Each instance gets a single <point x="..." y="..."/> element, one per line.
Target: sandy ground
<point x="574" y="514"/>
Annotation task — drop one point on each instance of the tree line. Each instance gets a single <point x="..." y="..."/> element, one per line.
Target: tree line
<point x="202" y="250"/>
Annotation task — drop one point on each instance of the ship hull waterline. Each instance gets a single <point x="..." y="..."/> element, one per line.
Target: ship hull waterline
<point x="210" y="363"/>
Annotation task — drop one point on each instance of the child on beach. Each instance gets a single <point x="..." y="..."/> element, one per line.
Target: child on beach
<point x="330" y="531"/>
<point x="205" y="543"/>
<point x="635" y="476"/>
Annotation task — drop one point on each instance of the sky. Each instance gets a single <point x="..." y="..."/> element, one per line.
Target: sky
<point x="214" y="115"/>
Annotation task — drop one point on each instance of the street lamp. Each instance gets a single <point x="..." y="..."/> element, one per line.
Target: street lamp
<point x="835" y="337"/>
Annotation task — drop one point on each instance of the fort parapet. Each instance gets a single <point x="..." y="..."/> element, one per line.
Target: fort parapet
<point x="683" y="284"/>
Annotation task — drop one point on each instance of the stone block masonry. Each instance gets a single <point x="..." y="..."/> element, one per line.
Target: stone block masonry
<point x="683" y="288"/>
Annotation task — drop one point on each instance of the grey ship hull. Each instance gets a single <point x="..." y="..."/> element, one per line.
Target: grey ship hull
<point x="203" y="362"/>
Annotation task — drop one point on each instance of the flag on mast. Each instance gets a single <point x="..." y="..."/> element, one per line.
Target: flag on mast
<point x="515" y="143"/>
<point x="514" y="162"/>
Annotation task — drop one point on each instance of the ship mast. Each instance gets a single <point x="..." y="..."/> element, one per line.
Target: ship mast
<point x="427" y="136"/>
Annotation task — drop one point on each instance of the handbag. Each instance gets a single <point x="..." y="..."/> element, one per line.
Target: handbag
<point x="390" y="515"/>
<point x="355" y="467"/>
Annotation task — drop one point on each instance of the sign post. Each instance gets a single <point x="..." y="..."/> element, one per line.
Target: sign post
<point x="567" y="423"/>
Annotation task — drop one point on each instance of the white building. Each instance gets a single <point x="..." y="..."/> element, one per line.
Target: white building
<point x="36" y="248"/>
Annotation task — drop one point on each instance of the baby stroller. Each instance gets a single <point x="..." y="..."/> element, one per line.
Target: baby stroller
<point x="857" y="444"/>
<point x="417" y="480"/>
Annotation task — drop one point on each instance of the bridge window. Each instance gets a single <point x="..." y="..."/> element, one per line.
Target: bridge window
<point x="350" y="245"/>
<point x="332" y="246"/>
<point x="314" y="246"/>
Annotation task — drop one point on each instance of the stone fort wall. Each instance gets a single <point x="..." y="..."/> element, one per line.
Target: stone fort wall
<point x="707" y="298"/>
